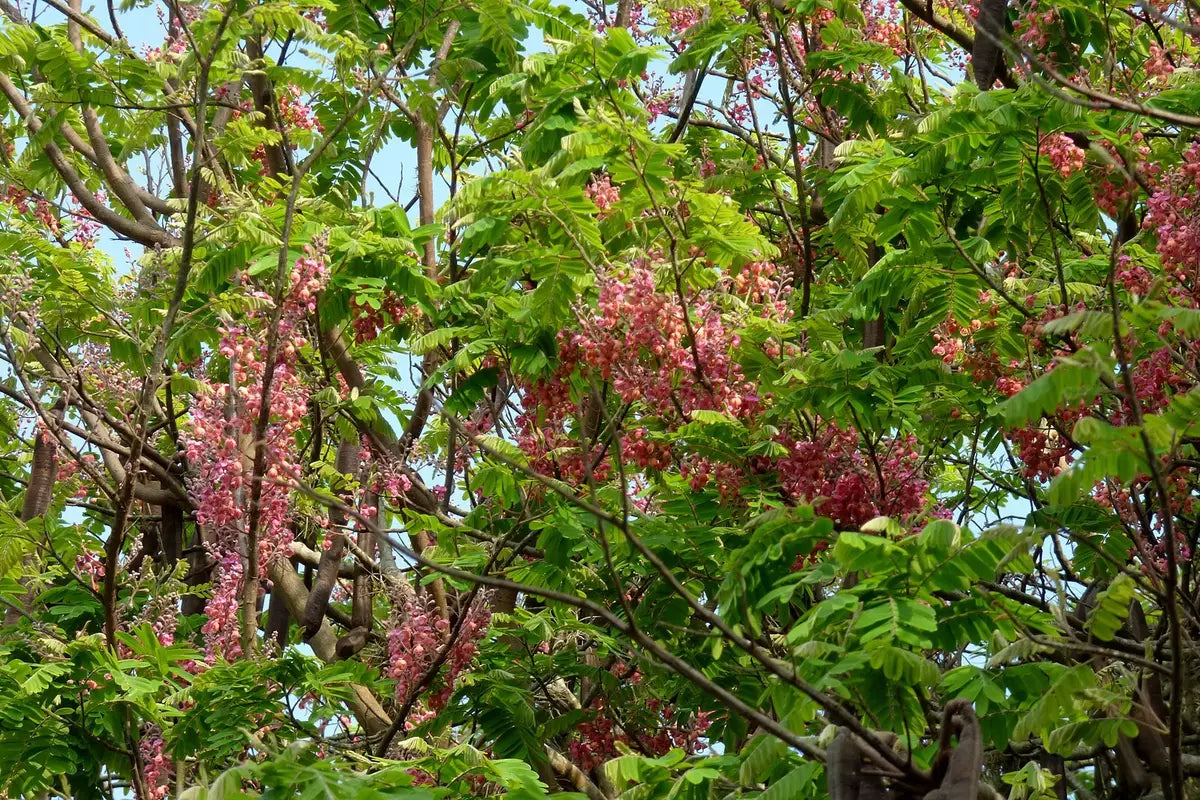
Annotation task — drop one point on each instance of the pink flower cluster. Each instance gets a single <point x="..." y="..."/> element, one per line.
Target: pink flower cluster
<point x="1009" y="386"/>
<point x="1034" y="329"/>
<point x="542" y="433"/>
<point x="191" y="12"/>
<point x="79" y="223"/>
<point x="1034" y="27"/>
<point x="413" y="640"/>
<point x="392" y="482"/>
<point x="667" y="364"/>
<point x="87" y="229"/>
<point x="91" y="564"/>
<point x="637" y="19"/>
<point x="1135" y="278"/>
<point x="885" y="25"/>
<point x="595" y="739"/>
<point x="955" y="342"/>
<point x="601" y="191"/>
<point x="682" y="20"/>
<point x="1183" y="552"/>
<point x="1115" y="189"/>
<point x="1158" y="65"/>
<point x="156" y="766"/>
<point x="1062" y="152"/>
<point x="1043" y="450"/>
<point x="949" y="345"/>
<point x="1045" y="447"/>
<point x="416" y="636"/>
<point x="763" y="284"/>
<point x="219" y="439"/>
<point x="20" y="301"/>
<point x="848" y="485"/>
<point x="369" y="318"/>
<point x="1152" y="551"/>
<point x="221" y="632"/>
<point x="171" y="50"/>
<point x="162" y="614"/>
<point x="645" y="452"/>
<point x="103" y="375"/>
<point x="1174" y="213"/>
<point x="651" y="725"/>
<point x="688" y="737"/>
<point x="659" y="104"/>
<point x="296" y="114"/>
<point x="698" y="471"/>
<point x="1156" y="378"/>
<point x="640" y="338"/>
<point x="708" y="167"/>
<point x="474" y="628"/>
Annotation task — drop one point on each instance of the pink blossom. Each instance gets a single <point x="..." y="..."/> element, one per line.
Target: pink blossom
<point x="416" y="637"/>
<point x="682" y="20"/>
<point x="218" y="442"/>
<point x="156" y="766"/>
<point x="1159" y="65"/>
<point x="1063" y="153"/>
<point x="834" y="472"/>
<point x="602" y="192"/>
<point x="1173" y="212"/>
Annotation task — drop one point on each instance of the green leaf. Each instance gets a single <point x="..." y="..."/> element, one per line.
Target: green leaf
<point x="792" y="784"/>
<point x="760" y="757"/>
<point x="1112" y="607"/>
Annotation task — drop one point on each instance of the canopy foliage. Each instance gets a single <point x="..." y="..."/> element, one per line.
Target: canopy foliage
<point x="484" y="398"/>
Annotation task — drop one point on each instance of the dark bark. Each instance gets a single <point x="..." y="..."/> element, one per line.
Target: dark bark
<point x="351" y="643"/>
<point x="362" y="613"/>
<point x="331" y="557"/>
<point x="42" y="476"/>
<point x="850" y="775"/>
<point x="987" y="56"/>
<point x="956" y="770"/>
<point x="43" y="473"/>
<point x="171" y="532"/>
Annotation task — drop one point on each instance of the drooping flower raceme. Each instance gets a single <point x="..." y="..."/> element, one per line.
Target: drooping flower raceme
<point x="1063" y="154"/>
<point x="418" y="633"/>
<point x="220" y="442"/>
<point x="1174" y="215"/>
